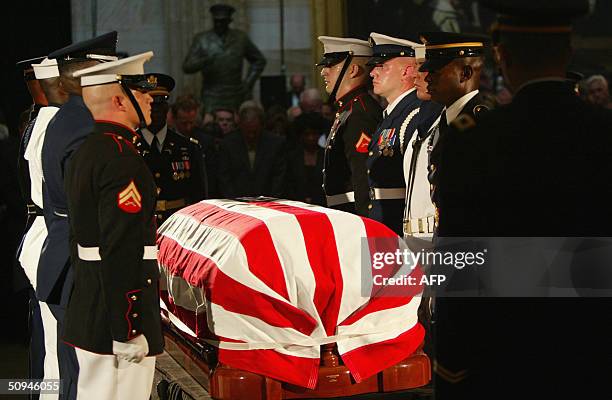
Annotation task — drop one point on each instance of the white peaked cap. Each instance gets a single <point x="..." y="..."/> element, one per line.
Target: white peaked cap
<point x="112" y="71"/>
<point x="333" y="44"/>
<point x="380" y="39"/>
<point x="46" y="69"/>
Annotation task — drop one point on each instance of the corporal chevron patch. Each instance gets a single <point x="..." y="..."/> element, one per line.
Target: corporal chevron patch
<point x="129" y="199"/>
<point x="362" y="144"/>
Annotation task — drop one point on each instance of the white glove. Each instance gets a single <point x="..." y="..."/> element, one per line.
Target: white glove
<point x="133" y="350"/>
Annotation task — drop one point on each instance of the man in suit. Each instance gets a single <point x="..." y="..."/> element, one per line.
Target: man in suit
<point x="537" y="167"/>
<point x="393" y="74"/>
<point x="113" y="318"/>
<point x="64" y="134"/>
<point x="174" y="160"/>
<point x="453" y="65"/>
<point x="218" y="54"/>
<point x="252" y="162"/>
<point x="347" y="80"/>
<point x="297" y="83"/>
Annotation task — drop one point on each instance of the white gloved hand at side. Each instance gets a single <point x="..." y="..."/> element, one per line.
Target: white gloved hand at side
<point x="133" y="350"/>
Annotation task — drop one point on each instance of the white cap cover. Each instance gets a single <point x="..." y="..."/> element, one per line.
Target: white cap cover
<point x="46" y="69"/>
<point x="358" y="47"/>
<point x="112" y="71"/>
<point x="380" y="39"/>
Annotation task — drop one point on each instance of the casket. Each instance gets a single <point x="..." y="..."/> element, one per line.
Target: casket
<point x="268" y="299"/>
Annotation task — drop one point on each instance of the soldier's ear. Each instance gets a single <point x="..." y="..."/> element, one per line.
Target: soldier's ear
<point x="119" y="102"/>
<point x="467" y="73"/>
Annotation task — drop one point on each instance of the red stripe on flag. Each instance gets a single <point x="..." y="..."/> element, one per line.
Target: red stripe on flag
<point x="299" y="371"/>
<point x="368" y="360"/>
<point x="233" y="296"/>
<point x="254" y="236"/>
<point x="320" y="243"/>
<point x="390" y="296"/>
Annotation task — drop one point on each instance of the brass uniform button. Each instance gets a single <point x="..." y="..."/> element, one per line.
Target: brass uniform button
<point x="134" y="298"/>
<point x="157" y="174"/>
<point x="135" y="315"/>
<point x="369" y="206"/>
<point x="133" y="331"/>
<point x="368" y="171"/>
<point x="149" y="281"/>
<point x="371" y="153"/>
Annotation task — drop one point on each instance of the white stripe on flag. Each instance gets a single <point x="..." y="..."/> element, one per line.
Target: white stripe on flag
<point x="206" y="240"/>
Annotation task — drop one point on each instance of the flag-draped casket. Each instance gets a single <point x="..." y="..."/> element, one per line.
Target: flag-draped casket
<point x="269" y="282"/>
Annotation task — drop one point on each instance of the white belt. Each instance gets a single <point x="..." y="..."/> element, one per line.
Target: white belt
<point x="341" y="198"/>
<point x="387" y="194"/>
<point x="419" y="225"/>
<point x="93" y="253"/>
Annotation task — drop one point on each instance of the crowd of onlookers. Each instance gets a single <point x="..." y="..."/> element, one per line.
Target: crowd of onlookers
<point x="278" y="151"/>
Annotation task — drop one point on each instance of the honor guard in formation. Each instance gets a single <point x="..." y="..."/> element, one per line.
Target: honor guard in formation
<point x="113" y="318"/>
<point x="65" y="133"/>
<point x="419" y="215"/>
<point x="346" y="76"/>
<point x="174" y="160"/>
<point x="451" y="71"/>
<point x="46" y="74"/>
<point x="453" y="65"/>
<point x="393" y="76"/>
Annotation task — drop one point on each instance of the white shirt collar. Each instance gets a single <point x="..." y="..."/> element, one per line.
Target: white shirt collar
<point x="391" y="106"/>
<point x="453" y="111"/>
<point x="161" y="136"/>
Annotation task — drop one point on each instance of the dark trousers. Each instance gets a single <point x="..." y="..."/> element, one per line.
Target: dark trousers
<point x="37" y="341"/>
<point x="68" y="363"/>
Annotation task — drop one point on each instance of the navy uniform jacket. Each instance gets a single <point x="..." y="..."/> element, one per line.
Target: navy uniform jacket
<point x="266" y="178"/>
<point x="346" y="152"/>
<point x="65" y="133"/>
<point x="111" y="197"/>
<point x="177" y="172"/>
<point x="385" y="162"/>
<point x="539" y="166"/>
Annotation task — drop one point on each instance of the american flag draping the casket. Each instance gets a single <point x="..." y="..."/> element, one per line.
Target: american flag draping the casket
<point x="269" y="282"/>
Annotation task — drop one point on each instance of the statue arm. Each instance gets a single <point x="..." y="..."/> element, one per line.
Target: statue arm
<point x="257" y="63"/>
<point x="196" y="58"/>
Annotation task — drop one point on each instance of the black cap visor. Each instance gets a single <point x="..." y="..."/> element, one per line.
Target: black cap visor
<point x="331" y="59"/>
<point x="143" y="83"/>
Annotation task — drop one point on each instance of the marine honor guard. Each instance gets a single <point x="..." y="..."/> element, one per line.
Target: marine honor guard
<point x="113" y="318"/>
<point x="174" y="160"/>
<point x="393" y="76"/>
<point x="347" y="80"/>
<point x="453" y="65"/>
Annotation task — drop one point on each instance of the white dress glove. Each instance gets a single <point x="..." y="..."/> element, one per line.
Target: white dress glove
<point x="133" y="350"/>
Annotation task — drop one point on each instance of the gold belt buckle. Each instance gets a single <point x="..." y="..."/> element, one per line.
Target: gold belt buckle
<point x="161" y="205"/>
<point x="407" y="227"/>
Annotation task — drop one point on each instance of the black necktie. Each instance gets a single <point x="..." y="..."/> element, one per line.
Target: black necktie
<point x="155" y="146"/>
<point x="385" y="114"/>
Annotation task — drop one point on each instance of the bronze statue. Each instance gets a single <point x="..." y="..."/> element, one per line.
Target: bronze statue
<point x="218" y="54"/>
